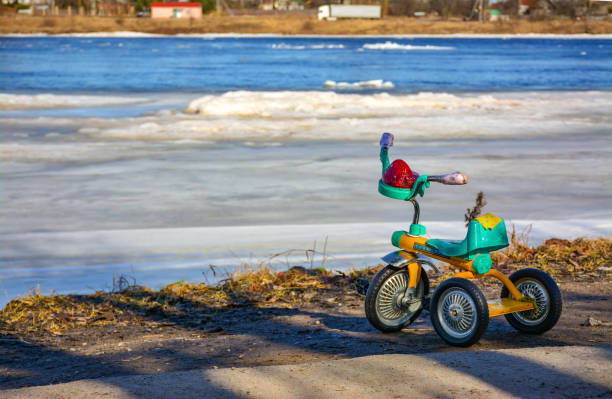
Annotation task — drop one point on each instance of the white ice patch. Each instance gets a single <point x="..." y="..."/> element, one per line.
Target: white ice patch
<point x="368" y="84"/>
<point x="347" y="238"/>
<point x="388" y="45"/>
<point x="58" y="152"/>
<point x="328" y="115"/>
<point x="119" y="34"/>
<point x="285" y="46"/>
<point x="45" y="101"/>
<point x="329" y="104"/>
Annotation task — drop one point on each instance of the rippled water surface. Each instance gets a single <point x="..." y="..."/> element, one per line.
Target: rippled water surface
<point x="221" y="64"/>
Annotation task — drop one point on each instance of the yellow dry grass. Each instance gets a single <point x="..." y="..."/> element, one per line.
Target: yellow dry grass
<point x="292" y="25"/>
<point x="54" y="313"/>
<point x="136" y="304"/>
<point x="581" y="256"/>
<point x="261" y="286"/>
<point x="250" y="283"/>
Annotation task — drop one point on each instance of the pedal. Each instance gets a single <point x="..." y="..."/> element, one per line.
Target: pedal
<point x="426" y="302"/>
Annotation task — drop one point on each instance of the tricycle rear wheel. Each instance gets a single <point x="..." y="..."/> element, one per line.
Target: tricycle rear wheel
<point x="382" y="305"/>
<point x="542" y="289"/>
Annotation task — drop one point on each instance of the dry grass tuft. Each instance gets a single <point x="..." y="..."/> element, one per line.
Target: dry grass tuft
<point x="54" y="313"/>
<point x="474" y="212"/>
<point x="251" y="284"/>
<point x="580" y="257"/>
<point x="129" y="303"/>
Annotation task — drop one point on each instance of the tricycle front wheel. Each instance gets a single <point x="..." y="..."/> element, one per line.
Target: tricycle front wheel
<point x="384" y="307"/>
<point x="459" y="312"/>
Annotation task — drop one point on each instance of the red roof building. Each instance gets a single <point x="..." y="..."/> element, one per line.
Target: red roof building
<point x="176" y="10"/>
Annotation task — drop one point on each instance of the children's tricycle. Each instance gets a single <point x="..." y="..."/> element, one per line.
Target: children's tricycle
<point x="530" y="299"/>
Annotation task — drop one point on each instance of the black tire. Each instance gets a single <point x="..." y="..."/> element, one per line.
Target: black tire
<point x="538" y="285"/>
<point x="459" y="312"/>
<point x="376" y="307"/>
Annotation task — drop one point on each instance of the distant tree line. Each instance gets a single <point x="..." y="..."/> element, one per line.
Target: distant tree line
<point x="442" y="8"/>
<point x="207" y="5"/>
<point x="463" y="8"/>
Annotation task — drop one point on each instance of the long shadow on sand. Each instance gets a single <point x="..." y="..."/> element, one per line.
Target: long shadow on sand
<point x="334" y="334"/>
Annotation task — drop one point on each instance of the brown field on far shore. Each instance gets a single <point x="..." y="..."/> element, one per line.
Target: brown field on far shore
<point x="293" y="25"/>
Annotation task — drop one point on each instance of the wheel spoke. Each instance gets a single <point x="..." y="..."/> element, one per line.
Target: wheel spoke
<point x="534" y="290"/>
<point x="388" y="300"/>
<point x="456" y="313"/>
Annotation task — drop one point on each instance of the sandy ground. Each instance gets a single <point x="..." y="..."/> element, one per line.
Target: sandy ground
<point x="292" y="24"/>
<point x="543" y="372"/>
<point x="332" y="328"/>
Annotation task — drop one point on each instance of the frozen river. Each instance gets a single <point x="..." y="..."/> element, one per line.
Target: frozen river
<point x="157" y="157"/>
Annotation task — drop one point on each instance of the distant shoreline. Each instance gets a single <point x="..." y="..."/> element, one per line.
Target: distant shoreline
<point x="136" y="35"/>
<point x="298" y="25"/>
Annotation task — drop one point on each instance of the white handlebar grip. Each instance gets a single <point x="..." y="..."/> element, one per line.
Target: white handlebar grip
<point x="455" y="178"/>
<point x="386" y="140"/>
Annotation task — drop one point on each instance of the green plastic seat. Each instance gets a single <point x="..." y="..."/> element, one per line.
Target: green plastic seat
<point x="485" y="234"/>
<point x="458" y="248"/>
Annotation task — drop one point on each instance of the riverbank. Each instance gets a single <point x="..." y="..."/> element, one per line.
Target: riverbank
<point x="259" y="317"/>
<point x="293" y="25"/>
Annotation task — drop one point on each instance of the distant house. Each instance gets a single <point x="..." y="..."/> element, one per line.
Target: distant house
<point x="24" y="2"/>
<point x="176" y="10"/>
<point x="527" y="6"/>
<point x="280" y="5"/>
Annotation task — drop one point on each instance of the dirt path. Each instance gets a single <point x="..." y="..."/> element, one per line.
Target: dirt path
<point x="543" y="372"/>
<point x="333" y="328"/>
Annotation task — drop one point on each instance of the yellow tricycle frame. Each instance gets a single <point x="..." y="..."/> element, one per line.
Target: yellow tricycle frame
<point x="413" y="245"/>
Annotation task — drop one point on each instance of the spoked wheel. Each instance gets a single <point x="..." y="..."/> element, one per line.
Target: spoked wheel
<point x="459" y="312"/>
<point x="541" y="288"/>
<point x="385" y="306"/>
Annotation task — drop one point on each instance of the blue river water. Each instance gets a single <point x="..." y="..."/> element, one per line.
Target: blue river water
<point x="82" y="64"/>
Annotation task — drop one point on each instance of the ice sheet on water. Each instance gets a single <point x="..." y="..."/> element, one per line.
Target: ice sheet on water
<point x="368" y="84"/>
<point x="389" y="45"/>
<point x="318" y="46"/>
<point x="45" y="101"/>
<point x="331" y="104"/>
<point x="328" y="115"/>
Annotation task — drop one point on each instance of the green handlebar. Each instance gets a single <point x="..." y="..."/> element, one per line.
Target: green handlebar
<point x="418" y="187"/>
<point x="384" y="158"/>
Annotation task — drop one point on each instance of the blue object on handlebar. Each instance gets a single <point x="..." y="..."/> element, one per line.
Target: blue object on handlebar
<point x="386" y="140"/>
